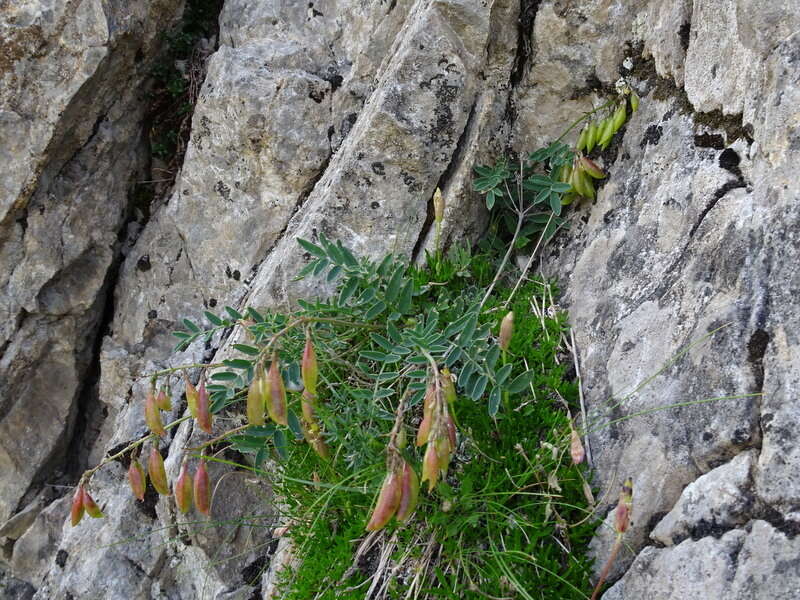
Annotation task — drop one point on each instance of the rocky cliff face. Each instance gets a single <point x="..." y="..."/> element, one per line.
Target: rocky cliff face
<point x="342" y="117"/>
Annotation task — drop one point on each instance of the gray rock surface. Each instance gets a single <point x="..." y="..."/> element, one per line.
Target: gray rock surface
<point x="342" y="118"/>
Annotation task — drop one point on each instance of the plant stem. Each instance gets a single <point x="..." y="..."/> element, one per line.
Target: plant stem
<point x="502" y="266"/>
<point x="584" y="117"/>
<point x="607" y="566"/>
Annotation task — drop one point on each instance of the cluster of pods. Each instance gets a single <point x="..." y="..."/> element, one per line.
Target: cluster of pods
<point x="187" y="489"/>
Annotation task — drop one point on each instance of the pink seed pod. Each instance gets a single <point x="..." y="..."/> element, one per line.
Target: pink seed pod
<point x="203" y="413"/>
<point x="388" y="501"/>
<point x="591" y="167"/>
<point x="152" y="416"/>
<point x="622" y="515"/>
<point x="91" y="506"/>
<point x="430" y="466"/>
<point x="409" y="493"/>
<point x="183" y="490"/>
<point x="157" y="473"/>
<point x="277" y="409"/>
<point x="137" y="479"/>
<point x="77" y="510"/>
<point x="162" y="400"/>
<point x="424" y="431"/>
<point x="202" y="489"/>
<point x="576" y="447"/>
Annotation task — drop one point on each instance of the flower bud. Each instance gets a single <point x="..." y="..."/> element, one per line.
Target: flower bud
<point x="506" y="331"/>
<point x="438" y="206"/>
<point x="277" y="409"/>
<point x="157" y="473"/>
<point x="591" y="167"/>
<point x="152" y="416"/>
<point x="183" y="490"/>
<point x="202" y="489"/>
<point x="137" y="479"/>
<point x="430" y="466"/>
<point x="76" y="513"/>
<point x="90" y="506"/>
<point x="576" y="448"/>
<point x="255" y="399"/>
<point x="409" y="492"/>
<point x="308" y="368"/>
<point x="388" y="501"/>
<point x="162" y="400"/>
<point x="622" y="515"/>
<point x="191" y="396"/>
<point x="203" y="413"/>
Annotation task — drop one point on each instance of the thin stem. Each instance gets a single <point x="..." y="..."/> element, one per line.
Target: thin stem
<point x="607" y="566"/>
<point x="504" y="261"/>
<point x="220" y="437"/>
<point x="584" y="117"/>
<point x="529" y="263"/>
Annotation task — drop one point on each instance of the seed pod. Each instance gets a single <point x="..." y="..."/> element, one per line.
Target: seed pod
<point x="401" y="438"/>
<point x="277" y="409"/>
<point x="506" y="331"/>
<point x="308" y="367"/>
<point x="191" y="396"/>
<point x="448" y="388"/>
<point x="606" y="132"/>
<point x="203" y="412"/>
<point x="622" y="515"/>
<point x="582" y="139"/>
<point x="319" y="446"/>
<point x="619" y="117"/>
<point x="430" y="466"/>
<point x="576" y="448"/>
<point x="634" y="101"/>
<point x="588" y="165"/>
<point x="451" y="430"/>
<point x="183" y="490"/>
<point x="438" y="206"/>
<point x="409" y="492"/>
<point x="162" y="400"/>
<point x="137" y="479"/>
<point x="423" y="433"/>
<point x="255" y="399"/>
<point x="565" y="173"/>
<point x="91" y="506"/>
<point x="152" y="416"/>
<point x="444" y="451"/>
<point x="157" y="473"/>
<point x="388" y="501"/>
<point x="76" y="513"/>
<point x="591" y="137"/>
<point x="582" y="184"/>
<point x="202" y="489"/>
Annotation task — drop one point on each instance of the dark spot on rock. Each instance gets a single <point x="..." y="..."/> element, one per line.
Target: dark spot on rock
<point x="628" y="346"/>
<point x="152" y="315"/>
<point x="708" y="436"/>
<point x="236" y="275"/>
<point x="709" y="140"/>
<point x="683" y="32"/>
<point x="212" y="302"/>
<point x="655" y="519"/>
<point x="148" y="506"/>
<point x="143" y="264"/>
<point x="756" y="348"/>
<point x="729" y="160"/>
<point x="334" y="79"/>
<point x="138" y="57"/>
<point x="331" y="132"/>
<point x="223" y="190"/>
<point x="766" y="421"/>
<point x="61" y="558"/>
<point x="714" y="71"/>
<point x="705" y="528"/>
<point x="651" y="136"/>
<point x="740" y="436"/>
<point x="185" y="192"/>
<point x="378" y="169"/>
<point x="69" y="596"/>
<point x="374" y="205"/>
<point x="251" y="574"/>
<point x="316" y="95"/>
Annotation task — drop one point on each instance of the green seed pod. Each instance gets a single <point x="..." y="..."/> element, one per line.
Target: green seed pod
<point x="506" y="331"/>
<point x="157" y="473"/>
<point x="634" y="101"/>
<point x="591" y="137"/>
<point x="183" y="490"/>
<point x="568" y="198"/>
<point x="255" y="400"/>
<point x="77" y="510"/>
<point x="152" y="416"/>
<point x="577" y="182"/>
<point x="277" y="408"/>
<point x="137" y="479"/>
<point x="90" y="506"/>
<point x="448" y="389"/>
<point x="308" y="367"/>
<point x="388" y="501"/>
<point x="606" y="132"/>
<point x="430" y="466"/>
<point x="202" y="489"/>
<point x="203" y="409"/>
<point x="582" y="139"/>
<point x="409" y="493"/>
<point x="619" y="117"/>
<point x="191" y="396"/>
